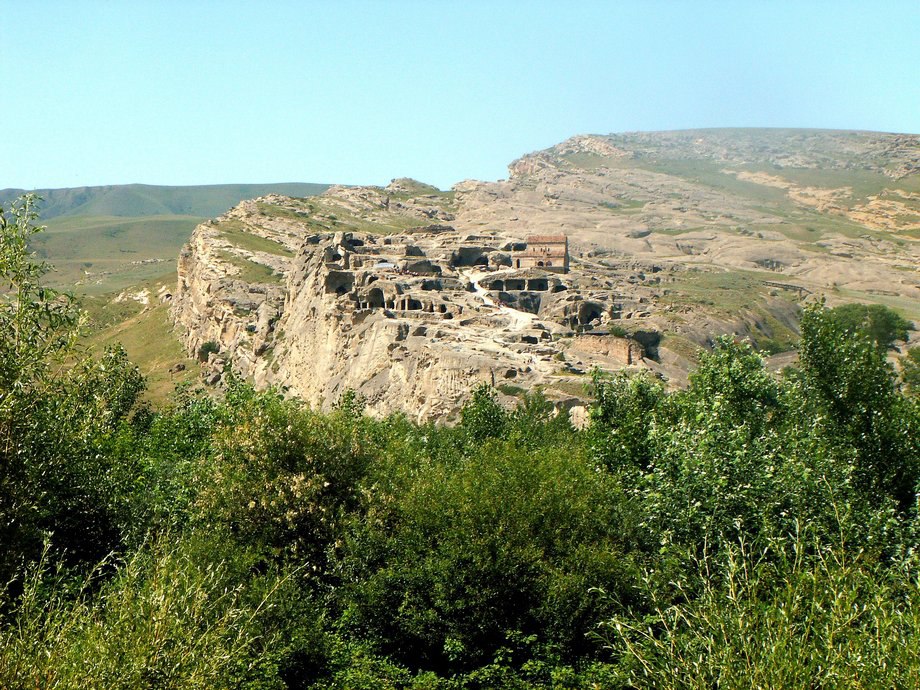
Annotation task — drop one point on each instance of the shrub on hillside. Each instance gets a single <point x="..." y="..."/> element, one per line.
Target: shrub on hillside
<point x="207" y="349"/>
<point x="57" y="411"/>
<point x="878" y="322"/>
<point x="171" y="616"/>
<point x="279" y="477"/>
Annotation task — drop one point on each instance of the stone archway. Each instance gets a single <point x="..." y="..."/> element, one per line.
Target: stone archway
<point x="375" y="298"/>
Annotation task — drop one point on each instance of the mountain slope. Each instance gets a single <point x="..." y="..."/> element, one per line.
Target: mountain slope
<point x="150" y="200"/>
<point x="108" y="238"/>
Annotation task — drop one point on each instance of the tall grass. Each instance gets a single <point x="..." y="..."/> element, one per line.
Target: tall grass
<point x="166" y="619"/>
<point x="762" y="619"/>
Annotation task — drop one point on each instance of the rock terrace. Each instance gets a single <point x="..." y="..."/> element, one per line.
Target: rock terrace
<point x="410" y="295"/>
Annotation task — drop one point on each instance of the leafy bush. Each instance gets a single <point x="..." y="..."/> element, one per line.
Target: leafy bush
<point x="443" y="568"/>
<point x="207" y="349"/>
<point x="83" y="492"/>
<point x="881" y="324"/>
<point x="278" y="477"/>
<point x="848" y="388"/>
<point x="761" y="619"/>
<point x="623" y="416"/>
<point x="482" y="417"/>
<point x="57" y="411"/>
<point x="786" y="514"/>
<point x="910" y="370"/>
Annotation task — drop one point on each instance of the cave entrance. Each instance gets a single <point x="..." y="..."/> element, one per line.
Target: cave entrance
<point x="538" y="284"/>
<point x="375" y="299"/>
<point x="588" y="312"/>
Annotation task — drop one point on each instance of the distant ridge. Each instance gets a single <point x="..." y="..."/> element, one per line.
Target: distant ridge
<point x="135" y="200"/>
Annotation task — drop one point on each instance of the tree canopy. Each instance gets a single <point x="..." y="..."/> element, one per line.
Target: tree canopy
<point x="752" y="530"/>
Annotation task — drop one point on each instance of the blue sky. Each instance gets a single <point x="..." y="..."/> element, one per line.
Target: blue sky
<point x="361" y="92"/>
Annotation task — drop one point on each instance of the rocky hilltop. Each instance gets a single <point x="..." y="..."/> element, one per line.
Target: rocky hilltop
<point x="410" y="295"/>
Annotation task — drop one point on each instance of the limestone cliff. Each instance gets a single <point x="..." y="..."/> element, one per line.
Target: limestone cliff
<point x="409" y="295"/>
<point x="411" y="321"/>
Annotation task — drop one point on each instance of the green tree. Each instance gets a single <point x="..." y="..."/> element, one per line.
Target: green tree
<point x="39" y="325"/>
<point x="910" y="370"/>
<point x="482" y="417"/>
<point x="38" y="329"/>
<point x="878" y="322"/>
<point x="713" y="474"/>
<point x="850" y="388"/>
<point x="461" y="558"/>
<point x="622" y="420"/>
<point x="56" y="411"/>
<point x="83" y="492"/>
<point x="276" y="476"/>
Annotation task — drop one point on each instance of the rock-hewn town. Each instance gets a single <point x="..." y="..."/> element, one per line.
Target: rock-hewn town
<point x="587" y="257"/>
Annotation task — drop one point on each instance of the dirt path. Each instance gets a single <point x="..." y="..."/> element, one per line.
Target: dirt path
<point x="519" y="319"/>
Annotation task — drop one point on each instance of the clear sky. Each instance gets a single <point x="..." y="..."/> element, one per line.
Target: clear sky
<point x="197" y="92"/>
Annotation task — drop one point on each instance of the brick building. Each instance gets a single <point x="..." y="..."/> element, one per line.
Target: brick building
<point x="549" y="252"/>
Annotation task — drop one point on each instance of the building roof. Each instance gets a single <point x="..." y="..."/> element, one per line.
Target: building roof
<point x="547" y="239"/>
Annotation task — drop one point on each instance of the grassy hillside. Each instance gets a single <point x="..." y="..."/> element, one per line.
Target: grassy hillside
<point x="115" y="244"/>
<point x="153" y="200"/>
<point x="837" y="212"/>
<point x="145" y="332"/>
<point x="109" y="238"/>
<point x="101" y="253"/>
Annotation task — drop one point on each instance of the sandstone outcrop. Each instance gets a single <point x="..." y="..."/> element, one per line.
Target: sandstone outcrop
<point x="410" y="321"/>
<point x="408" y="295"/>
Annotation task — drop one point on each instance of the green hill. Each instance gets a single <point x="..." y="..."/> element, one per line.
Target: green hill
<point x="110" y="237"/>
<point x="100" y="253"/>
<point x="202" y="201"/>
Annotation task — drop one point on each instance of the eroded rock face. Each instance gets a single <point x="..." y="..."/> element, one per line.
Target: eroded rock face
<point x="407" y="294"/>
<point x="410" y="321"/>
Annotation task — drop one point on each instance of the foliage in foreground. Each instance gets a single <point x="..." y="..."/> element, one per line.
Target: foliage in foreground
<point x="747" y="531"/>
<point x="166" y="618"/>
<point x="763" y="619"/>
